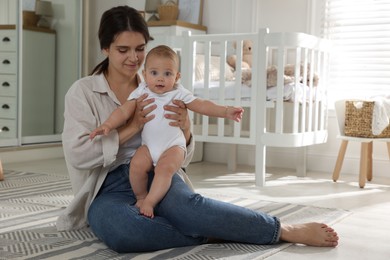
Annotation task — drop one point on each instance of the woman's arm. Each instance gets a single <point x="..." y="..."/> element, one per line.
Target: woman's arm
<point x="82" y="114"/>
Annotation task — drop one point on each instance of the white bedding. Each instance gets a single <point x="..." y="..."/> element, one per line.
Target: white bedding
<point x="288" y="94"/>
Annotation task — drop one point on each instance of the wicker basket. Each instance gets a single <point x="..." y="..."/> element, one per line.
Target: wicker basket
<point x="358" y="121"/>
<point x="30" y="18"/>
<point x="168" y="12"/>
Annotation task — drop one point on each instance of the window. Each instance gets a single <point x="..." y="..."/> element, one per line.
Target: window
<point x="360" y="62"/>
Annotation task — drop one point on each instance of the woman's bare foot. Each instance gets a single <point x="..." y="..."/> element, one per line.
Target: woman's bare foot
<point x="311" y="234"/>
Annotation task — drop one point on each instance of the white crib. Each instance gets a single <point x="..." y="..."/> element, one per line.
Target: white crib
<point x="291" y="115"/>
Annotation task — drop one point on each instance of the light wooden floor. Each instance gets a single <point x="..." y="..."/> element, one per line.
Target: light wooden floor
<point x="365" y="234"/>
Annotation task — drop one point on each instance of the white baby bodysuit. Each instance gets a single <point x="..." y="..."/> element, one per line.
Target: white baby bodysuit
<point x="157" y="134"/>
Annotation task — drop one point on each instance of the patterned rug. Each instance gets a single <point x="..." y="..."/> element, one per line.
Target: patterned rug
<point x="31" y="202"/>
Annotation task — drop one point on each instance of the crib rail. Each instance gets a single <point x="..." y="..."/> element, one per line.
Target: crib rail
<point x="218" y="46"/>
<point x="309" y="54"/>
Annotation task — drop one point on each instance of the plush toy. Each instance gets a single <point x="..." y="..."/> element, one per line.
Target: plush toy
<point x="272" y="75"/>
<point x="246" y="76"/>
<point x="289" y="70"/>
<point x="246" y="55"/>
<point x="246" y="63"/>
<point x="289" y="75"/>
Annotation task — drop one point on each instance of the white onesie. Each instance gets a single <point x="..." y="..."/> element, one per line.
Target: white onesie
<point x="157" y="134"/>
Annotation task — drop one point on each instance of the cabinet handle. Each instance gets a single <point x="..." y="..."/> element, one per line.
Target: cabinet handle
<point x="6" y="62"/>
<point x="5" y="84"/>
<point x="6" y="39"/>
<point x="5" y="106"/>
<point x="4" y="129"/>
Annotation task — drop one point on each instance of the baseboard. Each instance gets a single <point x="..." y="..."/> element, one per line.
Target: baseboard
<point x="53" y="151"/>
<point x="198" y="154"/>
<point x="286" y="158"/>
<point x="31" y="153"/>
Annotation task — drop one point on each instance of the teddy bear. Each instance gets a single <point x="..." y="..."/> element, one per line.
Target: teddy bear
<point x="272" y="75"/>
<point x="246" y="63"/>
<point x="289" y="70"/>
<point x="246" y="55"/>
<point x="289" y="75"/>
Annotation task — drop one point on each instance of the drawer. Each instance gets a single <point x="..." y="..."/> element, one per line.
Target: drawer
<point x="8" y="128"/>
<point x="8" y="107"/>
<point x="8" y="62"/>
<point x="8" y="40"/>
<point x="8" y="85"/>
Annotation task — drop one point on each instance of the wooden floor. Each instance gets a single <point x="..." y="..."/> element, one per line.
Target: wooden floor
<point x="365" y="234"/>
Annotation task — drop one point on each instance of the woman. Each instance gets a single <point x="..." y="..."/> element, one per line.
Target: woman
<point x="98" y="169"/>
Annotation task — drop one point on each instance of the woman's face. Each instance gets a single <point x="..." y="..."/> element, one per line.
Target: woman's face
<point x="126" y="54"/>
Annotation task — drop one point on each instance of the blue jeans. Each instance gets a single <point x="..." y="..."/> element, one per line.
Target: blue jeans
<point x="182" y="218"/>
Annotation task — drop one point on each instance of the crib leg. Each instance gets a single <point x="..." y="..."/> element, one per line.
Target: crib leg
<point x="260" y="165"/>
<point x="232" y="157"/>
<point x="301" y="161"/>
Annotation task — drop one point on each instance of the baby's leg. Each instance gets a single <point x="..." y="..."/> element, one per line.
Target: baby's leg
<point x="140" y="165"/>
<point x="168" y="164"/>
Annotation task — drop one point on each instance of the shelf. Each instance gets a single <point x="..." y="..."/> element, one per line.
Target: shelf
<point x="7" y="26"/>
<point x="177" y="23"/>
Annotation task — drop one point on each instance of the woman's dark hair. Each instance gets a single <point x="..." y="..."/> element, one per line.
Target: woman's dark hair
<point x="113" y="22"/>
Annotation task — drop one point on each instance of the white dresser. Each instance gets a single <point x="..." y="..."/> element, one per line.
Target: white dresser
<point x="8" y="82"/>
<point x="8" y="12"/>
<point x="35" y="87"/>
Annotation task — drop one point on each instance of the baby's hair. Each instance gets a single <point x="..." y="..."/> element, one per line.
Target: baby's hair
<point x="164" y="52"/>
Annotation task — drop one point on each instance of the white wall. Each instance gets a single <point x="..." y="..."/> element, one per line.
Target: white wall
<point x="249" y="16"/>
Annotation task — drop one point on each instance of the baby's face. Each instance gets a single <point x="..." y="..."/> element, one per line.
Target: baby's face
<point x="161" y="74"/>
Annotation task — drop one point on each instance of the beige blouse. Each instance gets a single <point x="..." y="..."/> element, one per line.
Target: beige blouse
<point x="88" y="103"/>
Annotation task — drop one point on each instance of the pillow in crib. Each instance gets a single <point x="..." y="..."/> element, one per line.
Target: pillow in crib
<point x="214" y="69"/>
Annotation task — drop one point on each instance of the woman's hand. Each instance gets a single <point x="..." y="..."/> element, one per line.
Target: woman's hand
<point x="179" y="117"/>
<point x="140" y="118"/>
<point x="141" y="114"/>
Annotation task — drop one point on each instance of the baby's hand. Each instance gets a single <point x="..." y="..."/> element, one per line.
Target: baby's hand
<point x="234" y="113"/>
<point x="101" y="130"/>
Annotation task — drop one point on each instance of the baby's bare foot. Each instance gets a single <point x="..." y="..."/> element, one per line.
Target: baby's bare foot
<point x="311" y="234"/>
<point x="139" y="203"/>
<point x="146" y="210"/>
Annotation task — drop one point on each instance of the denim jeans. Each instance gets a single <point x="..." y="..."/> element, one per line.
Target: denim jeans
<point x="182" y="218"/>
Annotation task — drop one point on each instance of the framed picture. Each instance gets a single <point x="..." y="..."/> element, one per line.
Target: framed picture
<point x="191" y="11"/>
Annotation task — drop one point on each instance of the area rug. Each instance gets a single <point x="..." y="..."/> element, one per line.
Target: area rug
<point x="31" y="202"/>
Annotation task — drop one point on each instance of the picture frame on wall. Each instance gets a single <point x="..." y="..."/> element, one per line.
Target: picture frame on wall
<point x="191" y="11"/>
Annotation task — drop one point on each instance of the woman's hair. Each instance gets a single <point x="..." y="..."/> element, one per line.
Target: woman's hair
<point x="162" y="51"/>
<point x="115" y="21"/>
